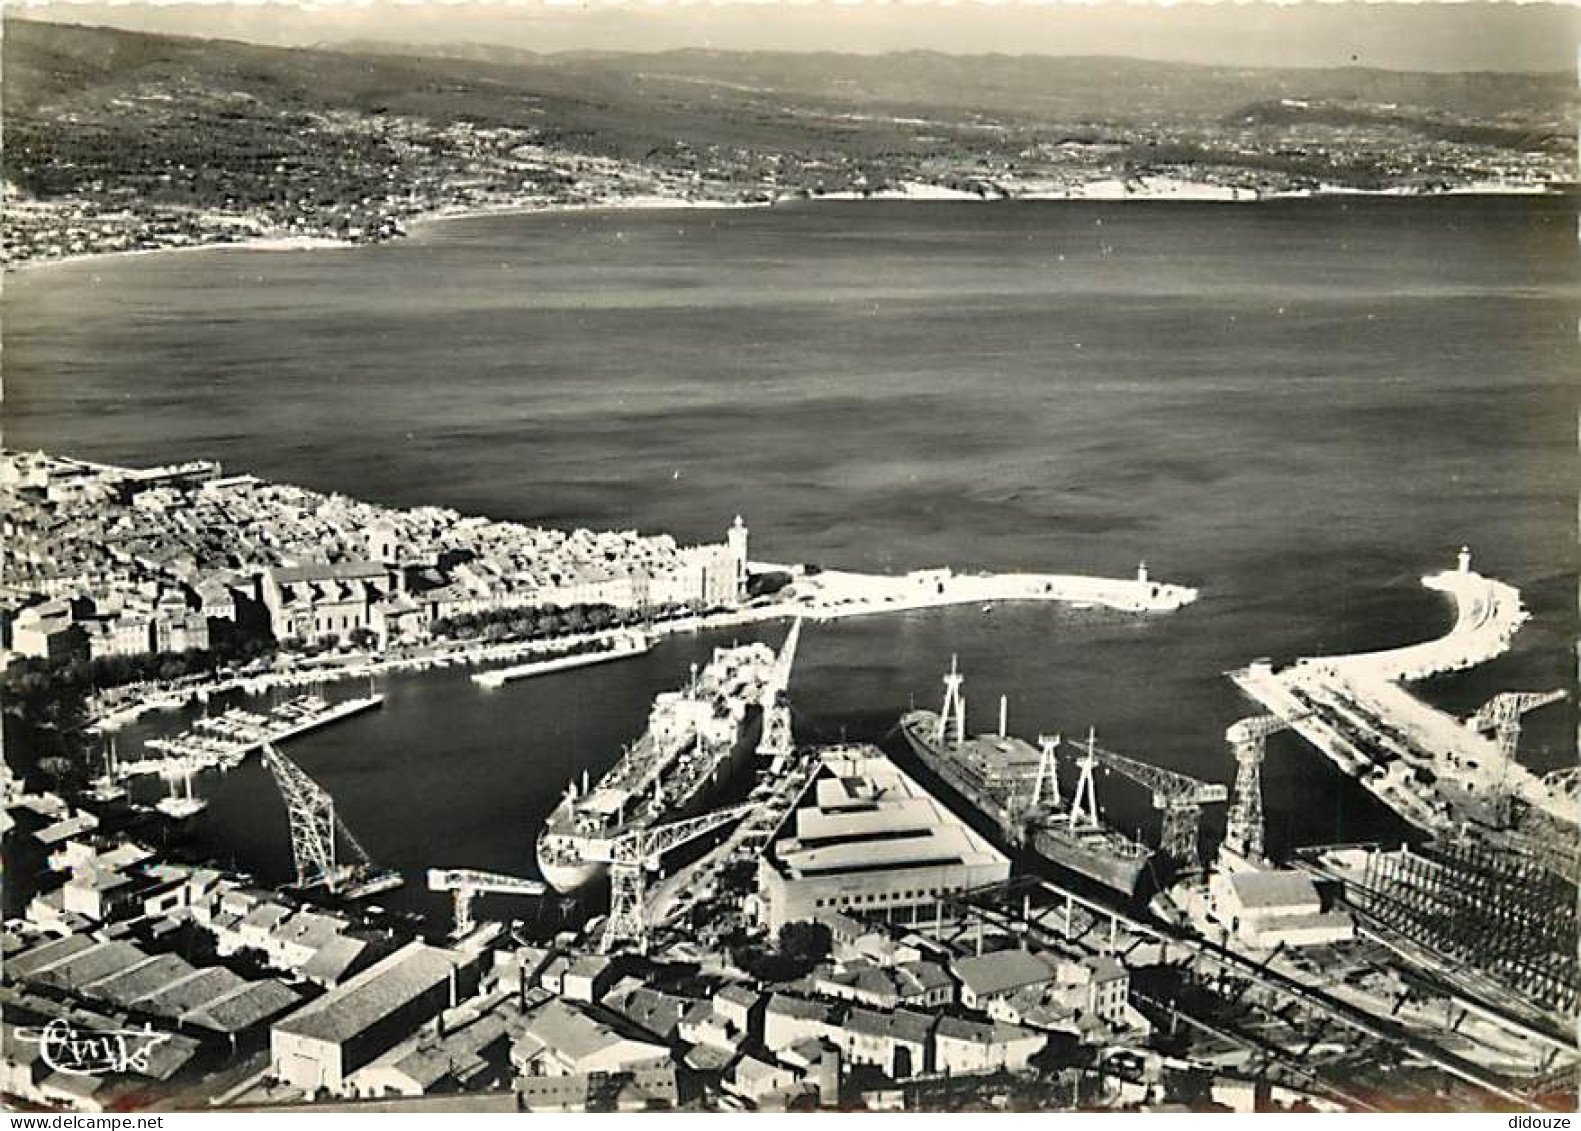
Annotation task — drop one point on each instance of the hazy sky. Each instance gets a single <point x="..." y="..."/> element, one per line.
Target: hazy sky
<point x="1414" y="36"/>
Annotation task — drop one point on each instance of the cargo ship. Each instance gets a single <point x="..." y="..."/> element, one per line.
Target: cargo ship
<point x="1016" y="786"/>
<point x="695" y="739"/>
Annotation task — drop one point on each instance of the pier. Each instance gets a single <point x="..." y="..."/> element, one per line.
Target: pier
<point x="222" y="742"/>
<point x="832" y="594"/>
<point x="1435" y="770"/>
<point x="623" y="649"/>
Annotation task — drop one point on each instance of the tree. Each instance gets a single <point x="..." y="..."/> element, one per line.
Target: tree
<point x="805" y="942"/>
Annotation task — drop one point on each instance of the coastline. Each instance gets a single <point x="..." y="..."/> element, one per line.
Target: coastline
<point x="1111" y="191"/>
<point x="261" y="243"/>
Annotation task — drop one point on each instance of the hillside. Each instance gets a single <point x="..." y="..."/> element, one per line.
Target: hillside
<point x="118" y="139"/>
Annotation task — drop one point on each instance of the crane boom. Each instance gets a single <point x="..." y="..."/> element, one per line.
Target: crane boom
<point x="311" y="811"/>
<point x="1167" y="786"/>
<point x="455" y="879"/>
<point x="648" y="844"/>
<point x="1508" y="706"/>
<point x="465" y="884"/>
<point x="314" y="825"/>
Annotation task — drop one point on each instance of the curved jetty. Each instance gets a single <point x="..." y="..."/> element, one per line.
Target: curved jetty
<point x="1435" y="770"/>
<point x="831" y="594"/>
<point x="1488" y="614"/>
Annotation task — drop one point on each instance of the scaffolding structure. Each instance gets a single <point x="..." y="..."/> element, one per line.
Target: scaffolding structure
<point x="1506" y="918"/>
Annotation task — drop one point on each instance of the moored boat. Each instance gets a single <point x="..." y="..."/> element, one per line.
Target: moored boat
<point x="1016" y="786"/>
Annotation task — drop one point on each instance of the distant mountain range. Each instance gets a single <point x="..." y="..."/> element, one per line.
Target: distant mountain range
<point x="216" y="139"/>
<point x="1082" y="87"/>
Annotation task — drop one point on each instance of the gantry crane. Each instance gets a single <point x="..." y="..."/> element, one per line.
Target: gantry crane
<point x="632" y="856"/>
<point x="1243" y="834"/>
<point x="313" y="826"/>
<point x="1500" y="717"/>
<point x="465" y="884"/>
<point x="1178" y="798"/>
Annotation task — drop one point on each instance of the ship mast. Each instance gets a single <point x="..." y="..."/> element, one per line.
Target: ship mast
<point x="1084" y="802"/>
<point x="954" y="706"/>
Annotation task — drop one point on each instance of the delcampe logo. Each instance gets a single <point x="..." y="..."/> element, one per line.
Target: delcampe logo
<point x="95" y="1052"/>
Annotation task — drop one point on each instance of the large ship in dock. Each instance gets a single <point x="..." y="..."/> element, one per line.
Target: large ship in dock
<point x="694" y="740"/>
<point x="1016" y="786"/>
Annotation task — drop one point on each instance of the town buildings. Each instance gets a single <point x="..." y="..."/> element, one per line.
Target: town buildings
<point x="109" y="562"/>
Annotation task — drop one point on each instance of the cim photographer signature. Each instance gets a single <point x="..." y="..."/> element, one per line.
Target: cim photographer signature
<point x="96" y="1052"/>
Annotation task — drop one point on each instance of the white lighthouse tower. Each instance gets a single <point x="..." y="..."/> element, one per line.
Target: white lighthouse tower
<point x="736" y="539"/>
<point x="1463" y="559"/>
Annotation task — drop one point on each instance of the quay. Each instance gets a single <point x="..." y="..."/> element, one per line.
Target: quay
<point x="224" y="741"/>
<point x="622" y="650"/>
<point x="823" y="596"/>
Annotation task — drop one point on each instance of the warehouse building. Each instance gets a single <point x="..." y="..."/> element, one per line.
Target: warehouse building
<point x="317" y="1047"/>
<point x="867" y="838"/>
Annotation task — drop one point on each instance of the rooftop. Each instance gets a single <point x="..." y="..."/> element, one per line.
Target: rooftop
<point x="1268" y="890"/>
<point x="1002" y="971"/>
<point x="373" y="995"/>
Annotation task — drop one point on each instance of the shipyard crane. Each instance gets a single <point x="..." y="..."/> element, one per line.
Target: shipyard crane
<point x="775" y="741"/>
<point x="1500" y="717"/>
<point x="313" y="825"/>
<point x="465" y="884"/>
<point x="631" y="856"/>
<point x="1178" y="798"/>
<point x="1243" y="834"/>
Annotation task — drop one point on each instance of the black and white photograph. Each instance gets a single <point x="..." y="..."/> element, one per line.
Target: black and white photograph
<point x="789" y="556"/>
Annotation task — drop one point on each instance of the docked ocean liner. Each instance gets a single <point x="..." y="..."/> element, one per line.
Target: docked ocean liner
<point x="1017" y="787"/>
<point x="695" y="738"/>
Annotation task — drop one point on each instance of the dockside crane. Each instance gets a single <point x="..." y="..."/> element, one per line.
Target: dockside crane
<point x="313" y="826"/>
<point x="466" y="884"/>
<point x="1248" y="738"/>
<point x="632" y="856"/>
<point x="1178" y="798"/>
<point x="1500" y="718"/>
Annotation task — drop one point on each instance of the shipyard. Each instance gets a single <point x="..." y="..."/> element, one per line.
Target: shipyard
<point x="829" y="558"/>
<point x="739" y="912"/>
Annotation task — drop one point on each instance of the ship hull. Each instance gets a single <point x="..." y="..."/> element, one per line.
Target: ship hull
<point x="1121" y="873"/>
<point x="567" y="875"/>
<point x="566" y="878"/>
